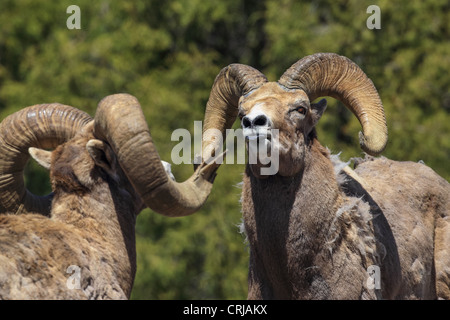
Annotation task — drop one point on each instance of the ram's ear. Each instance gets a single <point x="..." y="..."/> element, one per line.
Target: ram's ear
<point x="42" y="157"/>
<point x="102" y="155"/>
<point x="317" y="110"/>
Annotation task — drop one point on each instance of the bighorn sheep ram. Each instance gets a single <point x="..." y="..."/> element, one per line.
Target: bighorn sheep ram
<point x="313" y="234"/>
<point x="103" y="172"/>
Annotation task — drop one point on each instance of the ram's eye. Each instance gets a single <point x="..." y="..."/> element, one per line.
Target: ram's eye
<point x="301" y="110"/>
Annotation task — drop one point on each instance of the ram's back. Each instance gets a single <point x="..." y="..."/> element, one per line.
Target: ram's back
<point x="44" y="259"/>
<point x="414" y="203"/>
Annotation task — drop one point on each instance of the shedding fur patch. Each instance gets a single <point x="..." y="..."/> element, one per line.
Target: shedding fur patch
<point x="339" y="165"/>
<point x="353" y="224"/>
<point x="353" y="221"/>
<point x="241" y="227"/>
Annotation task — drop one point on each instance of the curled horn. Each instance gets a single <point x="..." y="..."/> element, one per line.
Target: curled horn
<point x="231" y="83"/>
<point x="120" y="121"/>
<point x="328" y="74"/>
<point x="42" y="126"/>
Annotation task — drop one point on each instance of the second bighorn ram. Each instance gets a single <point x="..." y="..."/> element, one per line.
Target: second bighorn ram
<point x="319" y="230"/>
<point x="103" y="172"/>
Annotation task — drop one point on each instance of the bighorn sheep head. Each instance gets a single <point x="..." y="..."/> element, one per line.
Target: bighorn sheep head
<point x="286" y="105"/>
<point x="117" y="140"/>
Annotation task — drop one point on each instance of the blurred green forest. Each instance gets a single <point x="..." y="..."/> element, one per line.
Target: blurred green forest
<point x="167" y="54"/>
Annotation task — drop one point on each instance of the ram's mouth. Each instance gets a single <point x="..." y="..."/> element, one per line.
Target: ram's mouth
<point x="258" y="137"/>
<point x="259" y="144"/>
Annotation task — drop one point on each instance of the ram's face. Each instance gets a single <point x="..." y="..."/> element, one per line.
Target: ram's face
<point x="82" y="164"/>
<point x="88" y="166"/>
<point x="278" y="122"/>
<point x="72" y="168"/>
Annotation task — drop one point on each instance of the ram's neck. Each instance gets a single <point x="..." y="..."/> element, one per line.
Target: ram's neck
<point x="107" y="221"/>
<point x="287" y="220"/>
<point x="304" y="204"/>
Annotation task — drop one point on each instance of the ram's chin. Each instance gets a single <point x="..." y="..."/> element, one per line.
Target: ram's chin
<point x="262" y="159"/>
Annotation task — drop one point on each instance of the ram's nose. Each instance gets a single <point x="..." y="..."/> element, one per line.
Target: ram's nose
<point x="254" y="122"/>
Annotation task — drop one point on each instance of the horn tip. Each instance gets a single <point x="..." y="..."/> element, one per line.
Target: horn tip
<point x="374" y="146"/>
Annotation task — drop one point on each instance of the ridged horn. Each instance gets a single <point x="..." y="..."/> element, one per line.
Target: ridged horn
<point x="42" y="126"/>
<point x="231" y="83"/>
<point x="328" y="74"/>
<point x="120" y="121"/>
